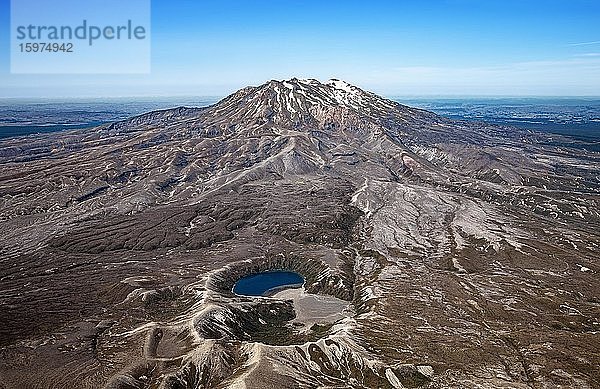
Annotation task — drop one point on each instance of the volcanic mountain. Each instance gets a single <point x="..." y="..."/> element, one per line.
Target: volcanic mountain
<point x="436" y="253"/>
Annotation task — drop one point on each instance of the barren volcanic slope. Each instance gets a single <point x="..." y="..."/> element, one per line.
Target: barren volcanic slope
<point x="436" y="253"/>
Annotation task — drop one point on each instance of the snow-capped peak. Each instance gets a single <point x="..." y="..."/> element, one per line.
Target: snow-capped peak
<point x="298" y="100"/>
<point x="342" y="85"/>
<point x="331" y="92"/>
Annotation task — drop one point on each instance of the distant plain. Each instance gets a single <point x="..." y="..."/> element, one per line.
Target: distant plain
<point x="578" y="117"/>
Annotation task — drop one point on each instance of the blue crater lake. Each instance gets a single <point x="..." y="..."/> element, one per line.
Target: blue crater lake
<point x="267" y="283"/>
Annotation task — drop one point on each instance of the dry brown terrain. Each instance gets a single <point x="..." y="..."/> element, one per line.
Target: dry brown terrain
<point x="467" y="254"/>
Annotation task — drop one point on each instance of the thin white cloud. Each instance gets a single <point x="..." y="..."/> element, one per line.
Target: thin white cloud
<point x="574" y="76"/>
<point x="588" y="55"/>
<point x="585" y="43"/>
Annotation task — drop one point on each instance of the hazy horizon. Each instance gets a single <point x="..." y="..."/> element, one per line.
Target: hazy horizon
<point x="218" y="97"/>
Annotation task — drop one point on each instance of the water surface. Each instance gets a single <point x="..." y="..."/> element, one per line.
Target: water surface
<point x="267" y="283"/>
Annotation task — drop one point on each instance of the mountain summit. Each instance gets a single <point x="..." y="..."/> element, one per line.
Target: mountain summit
<point x="306" y="102"/>
<point x="435" y="253"/>
<point x="296" y="98"/>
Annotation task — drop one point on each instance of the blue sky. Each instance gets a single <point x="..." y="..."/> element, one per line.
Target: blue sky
<point x="397" y="48"/>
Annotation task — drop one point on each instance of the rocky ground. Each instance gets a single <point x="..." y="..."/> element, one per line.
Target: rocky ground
<point x="436" y="253"/>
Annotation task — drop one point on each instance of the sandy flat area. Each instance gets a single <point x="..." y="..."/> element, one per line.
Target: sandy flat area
<point x="312" y="309"/>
